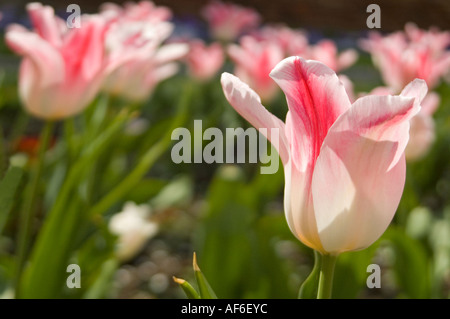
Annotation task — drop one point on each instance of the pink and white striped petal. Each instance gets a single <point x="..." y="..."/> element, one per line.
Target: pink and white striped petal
<point x="248" y="104"/>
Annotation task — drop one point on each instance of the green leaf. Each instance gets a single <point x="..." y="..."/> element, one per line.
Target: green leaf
<point x="190" y="292"/>
<point x="411" y="266"/>
<point x="419" y="222"/>
<point x="8" y="188"/>
<point x="223" y="236"/>
<point x="177" y="192"/>
<point x="351" y="272"/>
<point x="99" y="288"/>
<point x="269" y="273"/>
<point x="145" y="189"/>
<point x="145" y="162"/>
<point x="308" y="289"/>
<point x="206" y="292"/>
<point x="45" y="273"/>
<point x="7" y="267"/>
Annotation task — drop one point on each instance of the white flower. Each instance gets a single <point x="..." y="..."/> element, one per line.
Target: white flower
<point x="133" y="229"/>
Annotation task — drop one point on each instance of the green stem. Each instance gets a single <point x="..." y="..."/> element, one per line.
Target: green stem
<point x="19" y="126"/>
<point x="45" y="274"/>
<point x="3" y="154"/>
<point x="326" y="276"/>
<point x="69" y="133"/>
<point x="131" y="180"/>
<point x="89" y="155"/>
<point x="145" y="162"/>
<point x="28" y="207"/>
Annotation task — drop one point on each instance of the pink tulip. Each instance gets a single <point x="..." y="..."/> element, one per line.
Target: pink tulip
<point x="227" y="21"/>
<point x="404" y="56"/>
<point x="142" y="11"/>
<point x="291" y="41"/>
<point x="344" y="163"/>
<point x="326" y="52"/>
<point x="135" y="79"/>
<point x="62" y="69"/>
<point x="253" y="62"/>
<point x="437" y="40"/>
<point x="137" y="58"/>
<point x="204" y="61"/>
<point x="348" y="86"/>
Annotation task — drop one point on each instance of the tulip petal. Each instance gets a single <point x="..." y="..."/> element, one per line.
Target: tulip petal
<point x="248" y="104"/>
<point x="298" y="206"/>
<point x="422" y="135"/>
<point x="417" y="89"/>
<point x="239" y="55"/>
<point x="45" y="22"/>
<point x="316" y="98"/>
<point x="347" y="59"/>
<point x="41" y="71"/>
<point x="171" y="52"/>
<point x="430" y="104"/>
<point x="47" y="61"/>
<point x="83" y="49"/>
<point x="359" y="176"/>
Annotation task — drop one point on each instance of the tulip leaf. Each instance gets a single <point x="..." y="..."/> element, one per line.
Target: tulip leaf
<point x="222" y="236"/>
<point x="100" y="286"/>
<point x="175" y="193"/>
<point x="146" y="188"/>
<point x="190" y="292"/>
<point x="308" y="289"/>
<point x="206" y="292"/>
<point x="351" y="272"/>
<point x="45" y="273"/>
<point x="8" y="188"/>
<point x="411" y="267"/>
<point x="270" y="274"/>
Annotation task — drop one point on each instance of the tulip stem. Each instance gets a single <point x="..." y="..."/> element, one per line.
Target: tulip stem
<point x="326" y="276"/>
<point x="28" y="208"/>
<point x="69" y="133"/>
<point x="146" y="161"/>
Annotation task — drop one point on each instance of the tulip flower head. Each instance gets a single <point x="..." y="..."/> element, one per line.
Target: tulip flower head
<point x="228" y="21"/>
<point x="253" y="62"/>
<point x="404" y="56"/>
<point x="141" y="11"/>
<point x="438" y="41"/>
<point x="204" y="61"/>
<point x="62" y="69"/>
<point x="344" y="163"/>
<point x="291" y="41"/>
<point x="326" y="52"/>
<point x="137" y="58"/>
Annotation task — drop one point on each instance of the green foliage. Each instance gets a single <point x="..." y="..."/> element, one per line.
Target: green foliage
<point x="8" y="188"/>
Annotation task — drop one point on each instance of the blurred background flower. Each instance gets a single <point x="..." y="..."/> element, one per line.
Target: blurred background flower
<point x="253" y="62"/>
<point x="62" y="68"/>
<point x="227" y="21"/>
<point x="138" y="60"/>
<point x="204" y="61"/>
<point x="404" y="56"/>
<point x="133" y="228"/>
